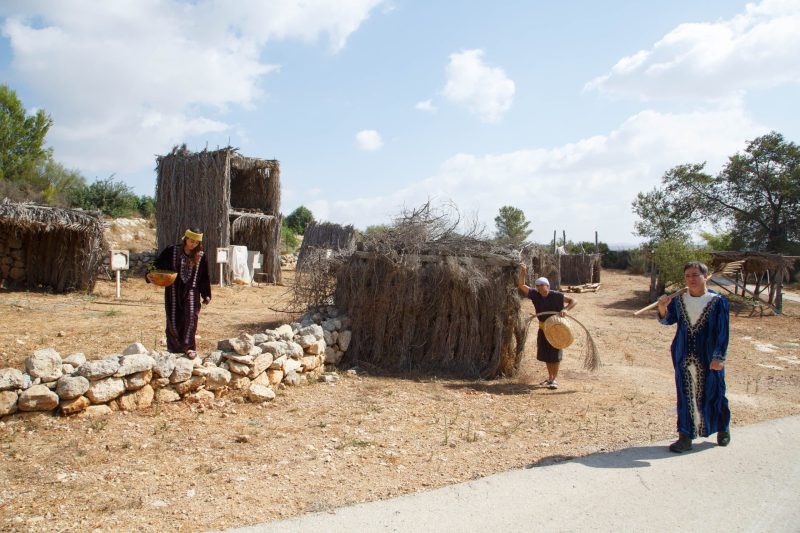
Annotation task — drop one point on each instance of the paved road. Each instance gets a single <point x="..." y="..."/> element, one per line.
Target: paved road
<point x="753" y="485"/>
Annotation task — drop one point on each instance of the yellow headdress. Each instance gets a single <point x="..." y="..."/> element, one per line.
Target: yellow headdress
<point x="192" y="235"/>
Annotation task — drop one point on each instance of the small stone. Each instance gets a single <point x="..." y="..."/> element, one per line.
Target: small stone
<point x="98" y="369"/>
<point x="69" y="387"/>
<point x="238" y="368"/>
<point x="8" y="402"/>
<point x="105" y="390"/>
<point x="344" y="339"/>
<point x="167" y="395"/>
<point x="292" y="378"/>
<point x="291" y="365"/>
<point x="95" y="411"/>
<point x="310" y="362"/>
<point x="274" y="376"/>
<point x="135" y="349"/>
<point x="242" y="438"/>
<point x="74" y="406"/>
<point x="134" y="363"/>
<point x="76" y="359"/>
<point x="284" y="332"/>
<point x="183" y="370"/>
<point x="45" y="364"/>
<point x="239" y="382"/>
<point x="138" y="380"/>
<point x="190" y="385"/>
<point x="37" y="398"/>
<point x="139" y="399"/>
<point x="11" y="379"/>
<point x="62" y="334"/>
<point x="67" y="369"/>
<point x="201" y="396"/>
<point x="217" y="378"/>
<point x="164" y="365"/>
<point x="260" y="364"/>
<point x="259" y="393"/>
<point x="214" y="357"/>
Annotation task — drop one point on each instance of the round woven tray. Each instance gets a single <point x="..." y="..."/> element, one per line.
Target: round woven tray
<point x="163" y="278"/>
<point x="558" y="332"/>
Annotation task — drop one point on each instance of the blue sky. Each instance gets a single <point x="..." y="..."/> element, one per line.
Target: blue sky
<point x="565" y="110"/>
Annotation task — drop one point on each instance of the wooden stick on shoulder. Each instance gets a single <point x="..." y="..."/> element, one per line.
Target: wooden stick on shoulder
<point x="655" y="304"/>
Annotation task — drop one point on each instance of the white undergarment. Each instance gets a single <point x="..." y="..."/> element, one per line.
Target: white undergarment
<point x="695" y="305"/>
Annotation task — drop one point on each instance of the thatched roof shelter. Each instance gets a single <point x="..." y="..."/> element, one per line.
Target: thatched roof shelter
<point x="233" y="199"/>
<point x="326" y="236"/>
<point x="44" y="246"/>
<point x="424" y="299"/>
<point x="762" y="271"/>
<point x="561" y="269"/>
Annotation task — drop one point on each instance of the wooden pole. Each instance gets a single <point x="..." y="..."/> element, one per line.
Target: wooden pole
<point x="596" y="243"/>
<point x="119" y="291"/>
<point x="554" y="241"/>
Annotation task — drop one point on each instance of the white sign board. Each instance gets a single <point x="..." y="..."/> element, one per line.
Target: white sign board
<point x="120" y="259"/>
<point x="222" y="255"/>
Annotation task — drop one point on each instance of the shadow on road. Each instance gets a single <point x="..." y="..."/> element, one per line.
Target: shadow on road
<point x="637" y="457"/>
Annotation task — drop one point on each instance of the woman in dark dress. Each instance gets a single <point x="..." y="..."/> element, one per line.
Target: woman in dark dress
<point x="546" y="300"/>
<point x="182" y="298"/>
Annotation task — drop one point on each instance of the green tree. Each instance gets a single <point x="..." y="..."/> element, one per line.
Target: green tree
<point x="511" y="225"/>
<point x="299" y="219"/>
<point x="146" y="205"/>
<point x="671" y="255"/>
<point x="658" y="216"/>
<point x="112" y="198"/>
<point x="719" y="242"/>
<point x="757" y="195"/>
<point x="22" y="136"/>
<point x="289" y="240"/>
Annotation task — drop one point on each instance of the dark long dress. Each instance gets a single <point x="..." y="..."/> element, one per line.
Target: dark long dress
<point x="182" y="299"/>
<point x="554" y="301"/>
<point x="702" y="405"/>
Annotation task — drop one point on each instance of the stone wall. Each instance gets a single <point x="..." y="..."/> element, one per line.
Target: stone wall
<point x="12" y="260"/>
<point x="252" y="365"/>
<point x="137" y="267"/>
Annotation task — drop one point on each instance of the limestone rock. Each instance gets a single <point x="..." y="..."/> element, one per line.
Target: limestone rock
<point x="138" y="380"/>
<point x="76" y="405"/>
<point x="291" y="378"/>
<point x="327" y="336"/>
<point x="159" y="383"/>
<point x="316" y="348"/>
<point x="274" y="376"/>
<point x="214" y="357"/>
<point x="305" y="340"/>
<point x="96" y="411"/>
<point x="67" y="370"/>
<point x="344" y="339"/>
<point x="277" y="363"/>
<point x="76" y="359"/>
<point x="217" y="378"/>
<point x="262" y="379"/>
<point x="38" y="398"/>
<point x="140" y="399"/>
<point x="332" y="356"/>
<point x="201" y="396"/>
<point x="260" y="393"/>
<point x="11" y="379"/>
<point x="183" y="370"/>
<point x="164" y="365"/>
<point x="310" y="362"/>
<point x="260" y="364"/>
<point x="134" y="363"/>
<point x="239" y="382"/>
<point x="225" y="345"/>
<point x="8" y="402"/>
<point x="105" y="390"/>
<point x="44" y="364"/>
<point x="98" y="369"/>
<point x="69" y="388"/>
<point x="135" y="348"/>
<point x="258" y="338"/>
<point x="190" y="385"/>
<point x="238" y="368"/>
<point x="167" y="395"/>
<point x="314" y="330"/>
<point x="291" y="366"/>
<point x="242" y="344"/>
<point x="241" y="359"/>
<point x="276" y="348"/>
<point x="284" y="332"/>
<point x="294" y="350"/>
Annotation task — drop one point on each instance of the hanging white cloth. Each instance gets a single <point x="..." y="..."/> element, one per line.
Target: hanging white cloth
<point x="238" y="267"/>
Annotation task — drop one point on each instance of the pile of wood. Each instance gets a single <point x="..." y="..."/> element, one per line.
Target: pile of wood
<point x="586" y="287"/>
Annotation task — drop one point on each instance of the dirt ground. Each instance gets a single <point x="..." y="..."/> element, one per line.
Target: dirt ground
<point x="315" y="447"/>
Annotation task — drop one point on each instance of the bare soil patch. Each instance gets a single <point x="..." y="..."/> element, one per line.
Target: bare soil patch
<point x="315" y="447"/>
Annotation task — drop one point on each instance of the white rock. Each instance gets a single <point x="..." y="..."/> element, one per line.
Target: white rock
<point x="239" y="382"/>
<point x="201" y="396"/>
<point x="344" y="339"/>
<point x="274" y="376"/>
<point x="190" y="385"/>
<point x="105" y="390"/>
<point x="8" y="402"/>
<point x="76" y="359"/>
<point x="183" y="370"/>
<point x="238" y="368"/>
<point x="135" y="348"/>
<point x="138" y="380"/>
<point x="285" y="332"/>
<point x="277" y="363"/>
<point x="260" y="393"/>
<point x="217" y="378"/>
<point x="158" y="383"/>
<point x="95" y="411"/>
<point x="291" y="365"/>
<point x="98" y="369"/>
<point x="242" y="344"/>
<point x="164" y="365"/>
<point x="276" y="348"/>
<point x="316" y="347"/>
<point x="38" y="398"/>
<point x="214" y="357"/>
<point x="67" y="369"/>
<point x="134" y="363"/>
<point x="11" y="379"/>
<point x="305" y="340"/>
<point x="45" y="364"/>
<point x="332" y="356"/>
<point x="313" y="330"/>
<point x="292" y="378"/>
<point x="258" y="338"/>
<point x="294" y="350"/>
<point x="69" y="388"/>
<point x="241" y="359"/>
<point x="260" y="364"/>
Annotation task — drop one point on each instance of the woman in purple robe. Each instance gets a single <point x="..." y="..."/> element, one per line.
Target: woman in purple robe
<point x="182" y="298"/>
<point x="698" y="356"/>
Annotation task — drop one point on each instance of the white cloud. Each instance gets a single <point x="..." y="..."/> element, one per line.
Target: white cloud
<point x="127" y="80"/>
<point x="485" y="91"/>
<point x="426" y="105"/>
<point x="369" y="140"/>
<point x="713" y="60"/>
<point x="578" y="187"/>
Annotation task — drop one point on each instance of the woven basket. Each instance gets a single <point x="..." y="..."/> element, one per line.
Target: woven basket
<point x="558" y="332"/>
<point x="163" y="278"/>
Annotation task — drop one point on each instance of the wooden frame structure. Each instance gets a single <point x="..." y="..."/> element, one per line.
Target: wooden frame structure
<point x="764" y="271"/>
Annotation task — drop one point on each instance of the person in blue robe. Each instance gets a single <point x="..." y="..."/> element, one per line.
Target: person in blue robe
<point x="699" y="350"/>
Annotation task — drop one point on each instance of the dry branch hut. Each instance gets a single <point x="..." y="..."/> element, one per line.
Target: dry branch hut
<point x="562" y="269"/>
<point x="327" y="236"/>
<point x="51" y="247"/>
<point x="761" y="276"/>
<point x="234" y="199"/>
